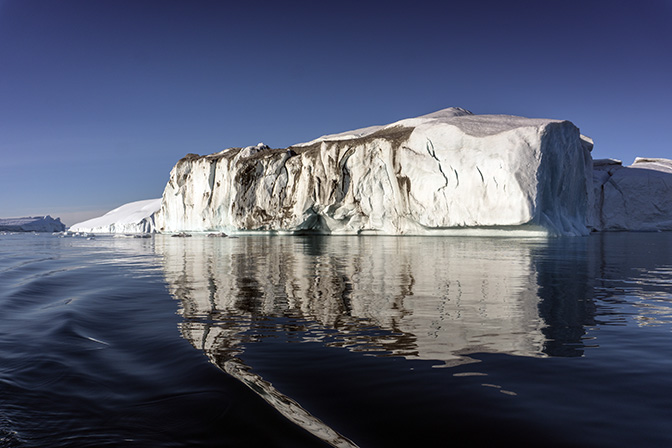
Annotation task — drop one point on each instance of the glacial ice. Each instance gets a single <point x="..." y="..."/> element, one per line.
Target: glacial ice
<point x="437" y="173"/>
<point x="637" y="197"/>
<point x="32" y="224"/>
<point x="449" y="172"/>
<point x="134" y="217"/>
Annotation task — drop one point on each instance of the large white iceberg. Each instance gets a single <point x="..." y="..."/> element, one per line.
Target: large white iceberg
<point x="432" y="174"/>
<point x="443" y="173"/>
<point x="32" y="224"/>
<point x="134" y="217"/>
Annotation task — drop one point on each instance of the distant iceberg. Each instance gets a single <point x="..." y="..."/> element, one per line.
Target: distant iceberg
<point x="32" y="224"/>
<point x="637" y="197"/>
<point x="134" y="217"/>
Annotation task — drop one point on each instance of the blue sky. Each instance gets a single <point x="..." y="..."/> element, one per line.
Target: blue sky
<point x="99" y="99"/>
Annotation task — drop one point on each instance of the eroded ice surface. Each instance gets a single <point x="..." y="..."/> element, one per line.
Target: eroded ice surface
<point x="432" y="174"/>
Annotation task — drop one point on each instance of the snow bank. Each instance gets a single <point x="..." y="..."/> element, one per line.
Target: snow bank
<point x="637" y="197"/>
<point x="134" y="217"/>
<point x="432" y="174"/>
<point x="32" y="224"/>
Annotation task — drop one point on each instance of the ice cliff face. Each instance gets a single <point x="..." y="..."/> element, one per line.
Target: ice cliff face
<point x="436" y="173"/>
<point x="32" y="224"/>
<point x="637" y="197"/>
<point x="134" y="217"/>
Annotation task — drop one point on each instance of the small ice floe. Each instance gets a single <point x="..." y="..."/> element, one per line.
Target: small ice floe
<point x="181" y="235"/>
<point x="220" y="234"/>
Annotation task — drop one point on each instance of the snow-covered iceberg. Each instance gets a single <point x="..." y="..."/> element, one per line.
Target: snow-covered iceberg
<point x="437" y="173"/>
<point x="637" y="197"/>
<point x="32" y="224"/>
<point x="134" y="217"/>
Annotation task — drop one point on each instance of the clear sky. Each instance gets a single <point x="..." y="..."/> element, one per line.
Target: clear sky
<point x="100" y="98"/>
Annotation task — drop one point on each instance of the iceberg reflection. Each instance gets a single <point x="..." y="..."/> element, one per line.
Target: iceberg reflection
<point x="438" y="299"/>
<point x="424" y="298"/>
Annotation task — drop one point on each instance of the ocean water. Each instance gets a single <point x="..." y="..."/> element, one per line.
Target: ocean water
<point x="300" y="341"/>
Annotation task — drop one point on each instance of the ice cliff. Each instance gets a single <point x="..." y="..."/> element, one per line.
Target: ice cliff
<point x="432" y="174"/>
<point x="32" y="224"/>
<point x="134" y="217"/>
<point x="637" y="197"/>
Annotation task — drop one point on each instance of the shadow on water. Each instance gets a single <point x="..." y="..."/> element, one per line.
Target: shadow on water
<point x="581" y="280"/>
<point x="565" y="280"/>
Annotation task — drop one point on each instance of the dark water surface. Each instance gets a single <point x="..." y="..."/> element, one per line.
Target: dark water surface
<point x="277" y="341"/>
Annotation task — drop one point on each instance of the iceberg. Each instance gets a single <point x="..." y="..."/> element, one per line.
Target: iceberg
<point x="449" y="172"/>
<point x="32" y="224"/>
<point x="134" y="217"/>
<point x="439" y="173"/>
<point x="635" y="198"/>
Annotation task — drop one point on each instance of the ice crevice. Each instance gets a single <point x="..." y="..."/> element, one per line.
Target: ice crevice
<point x="481" y="174"/>
<point x="432" y="152"/>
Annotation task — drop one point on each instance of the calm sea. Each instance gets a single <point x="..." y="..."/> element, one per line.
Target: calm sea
<point x="279" y="341"/>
